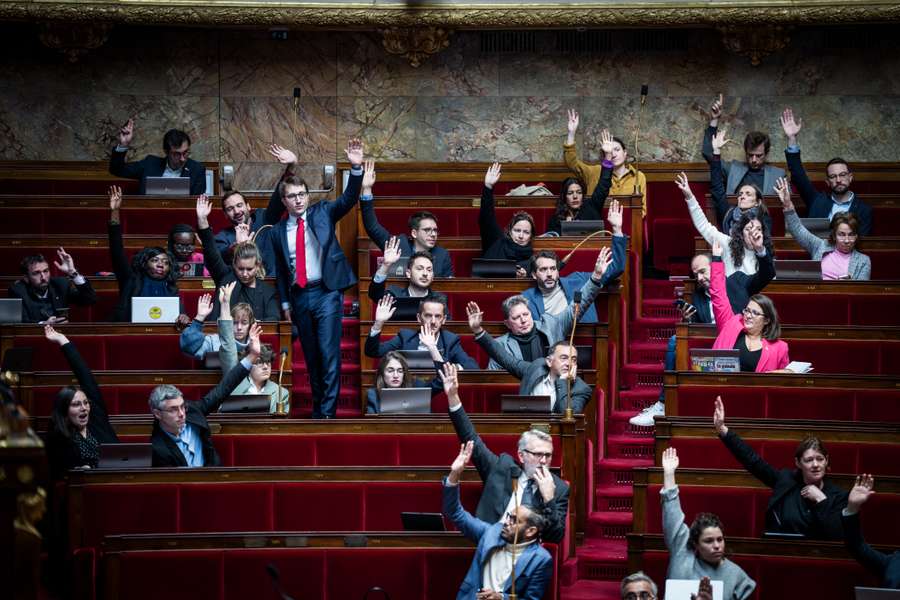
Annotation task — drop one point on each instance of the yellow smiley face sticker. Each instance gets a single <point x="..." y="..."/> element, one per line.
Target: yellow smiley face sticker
<point x="155" y="312"/>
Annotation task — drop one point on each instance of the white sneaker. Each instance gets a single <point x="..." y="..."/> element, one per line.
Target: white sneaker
<point x="645" y="417"/>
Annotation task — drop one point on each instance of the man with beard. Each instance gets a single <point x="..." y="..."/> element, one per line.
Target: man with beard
<point x="46" y="299"/>
<point x="838" y="178"/>
<point x="511" y="545"/>
<point x="537" y="486"/>
<point x="177" y="147"/>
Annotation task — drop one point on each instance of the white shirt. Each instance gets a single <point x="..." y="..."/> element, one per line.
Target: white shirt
<point x="555" y="302"/>
<point x="515" y="500"/>
<point x="313" y="249"/>
<point x="546" y="387"/>
<point x="498" y="567"/>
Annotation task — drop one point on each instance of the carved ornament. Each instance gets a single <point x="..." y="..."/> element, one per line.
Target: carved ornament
<point x="415" y="44"/>
<point x="74" y="40"/>
<point x="755" y="43"/>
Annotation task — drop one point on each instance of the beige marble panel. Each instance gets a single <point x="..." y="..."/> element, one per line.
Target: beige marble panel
<point x="253" y="175"/>
<point x="566" y="75"/>
<point x="387" y="126"/>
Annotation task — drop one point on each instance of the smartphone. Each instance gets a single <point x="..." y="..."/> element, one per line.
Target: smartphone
<point x="62" y="313"/>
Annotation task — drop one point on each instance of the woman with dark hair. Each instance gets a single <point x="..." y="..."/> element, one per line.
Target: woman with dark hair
<point x="79" y="422"/>
<point x="392" y="372"/>
<point x="570" y="202"/>
<point x="188" y="262"/>
<point x="750" y="199"/>
<point x="513" y="243"/>
<point x="838" y="254"/>
<point x="571" y="205"/>
<point x="698" y="551"/>
<point x="151" y="271"/>
<point x="754" y="331"/>
<point x="802" y="501"/>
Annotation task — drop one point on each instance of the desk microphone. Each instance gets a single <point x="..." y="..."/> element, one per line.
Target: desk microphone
<point x="275" y="576"/>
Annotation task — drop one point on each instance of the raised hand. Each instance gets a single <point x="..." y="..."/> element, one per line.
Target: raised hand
<point x="604" y="259"/>
<point x="715" y="110"/>
<point x="719" y="140"/>
<point x="860" y="492"/>
<point x="242" y="233"/>
<point x="354" y="152"/>
<point x="719" y="417"/>
<point x="790" y="125"/>
<point x="462" y="459"/>
<point x="66" y="265"/>
<point x="614" y="216"/>
<point x="126" y="133"/>
<point x="545" y="483"/>
<point x="225" y="297"/>
<point x="182" y="321"/>
<point x="521" y="273"/>
<point x="54" y="336"/>
<point x="573" y="121"/>
<point x="204" y="208"/>
<point x="705" y="591"/>
<point x="428" y="336"/>
<point x="783" y="189"/>
<point x="492" y="176"/>
<point x="368" y="178"/>
<point x="449" y="374"/>
<point x="757" y="241"/>
<point x="115" y="198"/>
<point x="391" y="252"/>
<point x="385" y="309"/>
<point x="475" y="315"/>
<point x="606" y="142"/>
<point x="204" y="307"/>
<point x="670" y="460"/>
<point x="283" y="155"/>
<point x="254" y="347"/>
<point x="681" y="180"/>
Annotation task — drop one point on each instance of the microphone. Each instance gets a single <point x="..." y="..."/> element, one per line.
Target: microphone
<point x="275" y="576"/>
<point x="279" y="404"/>
<point x="637" y="132"/>
<point x="644" y="89"/>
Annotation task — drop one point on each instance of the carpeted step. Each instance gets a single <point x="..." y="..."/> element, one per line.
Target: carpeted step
<point x="608" y="525"/>
<point x="590" y="589"/>
<point x="602" y="559"/>
<point x="659" y="289"/>
<point x="618" y="471"/>
<point x="618" y="424"/>
<point x="649" y="353"/>
<point x="629" y="446"/>
<point x="663" y="308"/>
<point x="636" y="376"/>
<point x="614" y="498"/>
<point x="632" y="401"/>
<point x="648" y="329"/>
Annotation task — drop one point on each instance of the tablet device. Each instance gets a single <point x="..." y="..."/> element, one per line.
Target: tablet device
<point x="246" y="403"/>
<point x="579" y="228"/>
<point x="167" y="186"/>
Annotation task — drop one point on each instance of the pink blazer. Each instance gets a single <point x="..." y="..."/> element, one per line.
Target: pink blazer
<point x="774" y="354"/>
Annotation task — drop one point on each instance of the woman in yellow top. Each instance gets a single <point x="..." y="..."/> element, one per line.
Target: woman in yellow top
<point x="626" y="179"/>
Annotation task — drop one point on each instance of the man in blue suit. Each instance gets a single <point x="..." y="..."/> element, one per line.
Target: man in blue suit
<point x="513" y="542"/>
<point x="177" y="147"/>
<point x="312" y="274"/>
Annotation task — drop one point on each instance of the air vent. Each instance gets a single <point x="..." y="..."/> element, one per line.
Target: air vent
<point x="506" y="42"/>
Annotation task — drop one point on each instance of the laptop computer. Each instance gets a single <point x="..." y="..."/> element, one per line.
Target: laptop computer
<point x="246" y="403"/>
<point x="715" y="361"/>
<point x="524" y="404"/>
<point x="818" y="226"/>
<point x="868" y="593"/>
<point x="157" y="309"/>
<point x="406" y="308"/>
<point x="405" y="401"/>
<point x="581" y="227"/>
<point x="10" y="310"/>
<point x="167" y="186"/>
<point x="498" y="268"/>
<point x="125" y="456"/>
<point x="419" y="521"/>
<point x="798" y="269"/>
<point x="418" y="359"/>
<point x="398" y="270"/>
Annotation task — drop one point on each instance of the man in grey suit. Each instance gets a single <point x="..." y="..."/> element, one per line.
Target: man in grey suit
<point x="543" y="376"/>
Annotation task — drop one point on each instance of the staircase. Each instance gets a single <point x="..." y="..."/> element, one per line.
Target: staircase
<point x="601" y="561"/>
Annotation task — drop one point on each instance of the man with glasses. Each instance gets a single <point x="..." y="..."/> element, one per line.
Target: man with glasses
<point x="535" y="484"/>
<point x="838" y="178"/>
<point x="638" y="586"/>
<point x="177" y="149"/>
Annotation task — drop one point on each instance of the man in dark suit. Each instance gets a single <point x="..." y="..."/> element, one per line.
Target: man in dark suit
<point x="444" y="345"/>
<point x="885" y="566"/>
<point x="312" y="274"/>
<point x="838" y="178"/>
<point x="542" y="376"/>
<point x="46" y="299"/>
<point x="177" y="148"/>
<point x="516" y="539"/>
<point x="181" y="435"/>
<point x="419" y="273"/>
<point x="537" y="486"/>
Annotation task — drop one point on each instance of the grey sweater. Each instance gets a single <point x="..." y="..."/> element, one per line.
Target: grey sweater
<point x="685" y="564"/>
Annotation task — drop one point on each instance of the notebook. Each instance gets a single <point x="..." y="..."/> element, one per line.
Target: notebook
<point x="157" y="309"/>
<point x="494" y="268"/>
<point x="581" y="227"/>
<point x="246" y="403"/>
<point x="715" y="361"/>
<point x="405" y="401"/>
<point x="798" y="269"/>
<point x="419" y="521"/>
<point x="10" y="310"/>
<point x="125" y="456"/>
<point x="524" y="404"/>
<point x="167" y="186"/>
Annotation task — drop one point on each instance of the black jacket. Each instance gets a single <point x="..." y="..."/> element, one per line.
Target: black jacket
<point x="591" y="208"/>
<point x="61" y="292"/>
<point x="155" y="166"/>
<point x="166" y="452"/>
<point x="886" y="566"/>
<point x="130" y="283"/>
<point x="407" y="339"/>
<point x="496" y="473"/>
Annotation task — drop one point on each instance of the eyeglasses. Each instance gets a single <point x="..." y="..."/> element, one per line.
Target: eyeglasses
<point x="640" y="596"/>
<point x="173" y="410"/>
<point x="184" y="246"/>
<point x="177" y="154"/>
<point x="510" y="518"/>
<point x="847" y="236"/>
<point x="297" y="196"/>
<point x="749" y="312"/>
<point x="836" y="176"/>
<point x="430" y="230"/>
<point x="539" y="455"/>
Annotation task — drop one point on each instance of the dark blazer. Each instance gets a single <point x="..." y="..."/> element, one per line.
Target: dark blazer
<point x="155" y="166"/>
<point x="377" y="291"/>
<point x="407" y="339"/>
<point x="592" y="208"/>
<point x="728" y="215"/>
<point x="739" y="286"/>
<point x="496" y="472"/>
<point x="885" y="566"/>
<point x="262" y="298"/>
<point x="61" y="292"/>
<point x="734" y="171"/>
<point x="531" y="373"/>
<point x="321" y="217"/>
<point x="166" y="452"/>
<point x="130" y="283"/>
<point x="818" y="204"/>
<point x="226" y="238"/>
<point x="443" y="266"/>
<point x="825" y="515"/>
<point x="61" y="450"/>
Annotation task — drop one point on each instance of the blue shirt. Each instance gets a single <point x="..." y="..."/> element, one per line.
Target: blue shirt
<point x="188" y="441"/>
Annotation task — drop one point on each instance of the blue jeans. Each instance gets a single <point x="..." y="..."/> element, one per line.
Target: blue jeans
<point x="670" y="365"/>
<point x="317" y="313"/>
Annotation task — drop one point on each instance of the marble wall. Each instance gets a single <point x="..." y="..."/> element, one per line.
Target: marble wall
<point x="232" y="91"/>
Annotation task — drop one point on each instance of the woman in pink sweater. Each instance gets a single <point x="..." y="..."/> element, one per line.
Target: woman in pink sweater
<point x="754" y="331"/>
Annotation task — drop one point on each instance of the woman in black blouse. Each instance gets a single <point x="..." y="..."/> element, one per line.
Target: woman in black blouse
<point x="513" y="243"/>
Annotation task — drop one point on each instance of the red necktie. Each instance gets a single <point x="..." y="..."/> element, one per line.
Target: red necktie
<point x="301" y="253"/>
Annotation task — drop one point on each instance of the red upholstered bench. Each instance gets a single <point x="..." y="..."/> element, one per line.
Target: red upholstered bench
<point x="83" y="220"/>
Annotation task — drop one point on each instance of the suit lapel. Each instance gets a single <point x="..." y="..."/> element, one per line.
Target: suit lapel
<point x="523" y="566"/>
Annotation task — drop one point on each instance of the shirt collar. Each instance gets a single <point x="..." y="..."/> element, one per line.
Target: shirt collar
<point x="849" y="200"/>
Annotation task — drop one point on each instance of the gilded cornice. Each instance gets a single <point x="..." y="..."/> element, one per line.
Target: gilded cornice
<point x="459" y="15"/>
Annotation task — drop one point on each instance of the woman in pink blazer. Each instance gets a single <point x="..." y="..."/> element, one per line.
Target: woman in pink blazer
<point x="754" y="331"/>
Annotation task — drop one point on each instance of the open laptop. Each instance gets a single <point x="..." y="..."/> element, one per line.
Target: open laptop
<point x="798" y="269"/>
<point x="125" y="456"/>
<point x="10" y="310"/>
<point x="581" y="227"/>
<point x="818" y="226"/>
<point x="246" y="403"/>
<point x="156" y="309"/>
<point x="524" y="404"/>
<point x="418" y="359"/>
<point x="868" y="593"/>
<point x="419" y="521"/>
<point x="406" y="308"/>
<point x="498" y="268"/>
<point x="715" y="361"/>
<point x="399" y="268"/>
<point x="405" y="401"/>
<point x="167" y="186"/>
